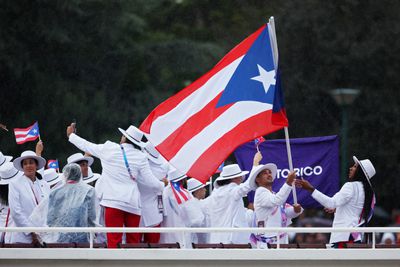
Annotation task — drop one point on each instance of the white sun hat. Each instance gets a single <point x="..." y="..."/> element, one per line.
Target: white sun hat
<point x="176" y="175"/>
<point x="152" y="153"/>
<point x="51" y="176"/>
<point x="257" y="169"/>
<point x="8" y="173"/>
<point x="28" y="154"/>
<point x="75" y="158"/>
<point x="367" y="168"/>
<point x="194" y="184"/>
<point x="4" y="158"/>
<point x="231" y="171"/>
<point x="133" y="134"/>
<point x="91" y="176"/>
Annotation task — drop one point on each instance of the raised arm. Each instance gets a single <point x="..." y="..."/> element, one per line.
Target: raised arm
<point x="82" y="144"/>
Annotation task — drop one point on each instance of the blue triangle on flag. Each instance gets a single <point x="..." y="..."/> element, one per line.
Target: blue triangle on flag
<point x="254" y="78"/>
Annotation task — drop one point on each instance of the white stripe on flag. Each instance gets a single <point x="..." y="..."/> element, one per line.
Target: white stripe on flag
<point x="195" y="147"/>
<point x="21" y="132"/>
<point x="166" y="124"/>
<point x="19" y="139"/>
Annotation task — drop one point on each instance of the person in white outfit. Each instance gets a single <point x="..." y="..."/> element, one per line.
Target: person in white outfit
<point x="353" y="204"/>
<point x="124" y="166"/>
<point x="226" y="204"/>
<point x="178" y="210"/>
<point x="8" y="173"/>
<point x="271" y="209"/>
<point x="25" y="193"/>
<point x="151" y="198"/>
<point x="201" y="206"/>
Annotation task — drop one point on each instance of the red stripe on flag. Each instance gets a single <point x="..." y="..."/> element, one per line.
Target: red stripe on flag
<point x="209" y="161"/>
<point x="178" y="199"/>
<point x="27" y="140"/>
<point x="183" y="193"/>
<point x="173" y="101"/>
<point x="195" y="124"/>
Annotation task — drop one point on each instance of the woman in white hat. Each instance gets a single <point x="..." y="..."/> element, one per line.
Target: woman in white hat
<point x="8" y="173"/>
<point x="271" y="210"/>
<point x="124" y="166"/>
<point x="226" y="203"/>
<point x="151" y="198"/>
<point x="353" y="204"/>
<point x="26" y="192"/>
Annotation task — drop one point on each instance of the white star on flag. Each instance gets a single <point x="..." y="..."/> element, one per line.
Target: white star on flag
<point x="267" y="78"/>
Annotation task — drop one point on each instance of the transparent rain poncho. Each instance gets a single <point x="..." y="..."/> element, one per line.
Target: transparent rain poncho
<point x="72" y="205"/>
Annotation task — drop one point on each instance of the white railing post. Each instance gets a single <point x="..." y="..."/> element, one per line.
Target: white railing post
<point x="373" y="240"/>
<point x="91" y="239"/>
<point x="278" y="240"/>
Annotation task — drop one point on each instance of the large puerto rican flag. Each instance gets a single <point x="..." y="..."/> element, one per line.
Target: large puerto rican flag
<point x="235" y="102"/>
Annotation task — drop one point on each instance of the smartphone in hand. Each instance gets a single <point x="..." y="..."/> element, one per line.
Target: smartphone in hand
<point x="74" y="124"/>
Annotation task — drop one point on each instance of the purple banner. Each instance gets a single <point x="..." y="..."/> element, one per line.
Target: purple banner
<point x="315" y="159"/>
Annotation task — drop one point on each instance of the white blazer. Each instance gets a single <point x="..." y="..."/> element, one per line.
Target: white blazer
<point x="227" y="210"/>
<point x="178" y="215"/>
<point x="349" y="202"/>
<point x="22" y="202"/>
<point x="119" y="190"/>
<point x="151" y="215"/>
<point x="267" y="207"/>
<point x="4" y="213"/>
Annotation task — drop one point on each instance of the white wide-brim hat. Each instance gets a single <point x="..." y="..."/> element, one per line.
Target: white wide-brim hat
<point x="176" y="175"/>
<point x="133" y="134"/>
<point x="257" y="169"/>
<point x="52" y="177"/>
<point x="152" y="153"/>
<point x="77" y="157"/>
<point x="4" y="159"/>
<point x="367" y="168"/>
<point x="29" y="155"/>
<point x="194" y="184"/>
<point x="8" y="173"/>
<point x="231" y="171"/>
<point x="91" y="176"/>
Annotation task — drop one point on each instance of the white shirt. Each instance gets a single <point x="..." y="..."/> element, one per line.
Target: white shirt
<point x="199" y="210"/>
<point x="349" y="202"/>
<point x="178" y="215"/>
<point x="227" y="210"/>
<point x="24" y="195"/>
<point x="268" y="209"/>
<point x="119" y="190"/>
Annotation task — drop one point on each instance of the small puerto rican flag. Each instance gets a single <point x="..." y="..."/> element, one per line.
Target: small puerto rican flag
<point x="180" y="193"/>
<point x="23" y="135"/>
<point x="259" y="140"/>
<point x="52" y="164"/>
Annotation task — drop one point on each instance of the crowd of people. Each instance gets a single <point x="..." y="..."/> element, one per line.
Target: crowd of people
<point x="138" y="188"/>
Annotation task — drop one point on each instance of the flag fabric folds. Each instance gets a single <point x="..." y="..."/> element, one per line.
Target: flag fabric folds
<point x="23" y="135"/>
<point x="181" y="194"/>
<point x="197" y="129"/>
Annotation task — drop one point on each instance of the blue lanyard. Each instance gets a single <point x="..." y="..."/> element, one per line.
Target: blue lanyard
<point x="126" y="163"/>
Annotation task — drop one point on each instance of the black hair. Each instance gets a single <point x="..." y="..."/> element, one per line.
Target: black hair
<point x="131" y="143"/>
<point x="4" y="194"/>
<point x="224" y="182"/>
<point x="359" y="176"/>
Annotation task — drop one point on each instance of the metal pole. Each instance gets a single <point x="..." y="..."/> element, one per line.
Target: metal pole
<point x="343" y="167"/>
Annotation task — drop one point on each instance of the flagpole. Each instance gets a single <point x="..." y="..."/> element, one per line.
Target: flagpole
<point x="274" y="46"/>
<point x="210" y="186"/>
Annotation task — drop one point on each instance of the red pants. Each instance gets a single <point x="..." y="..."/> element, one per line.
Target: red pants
<point x="119" y="218"/>
<point x="151" y="237"/>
